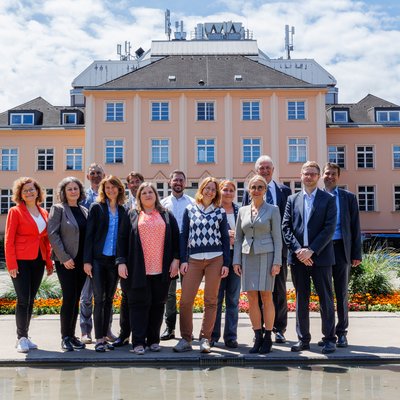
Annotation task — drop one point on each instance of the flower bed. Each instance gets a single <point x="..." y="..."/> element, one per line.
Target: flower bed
<point x="357" y="302"/>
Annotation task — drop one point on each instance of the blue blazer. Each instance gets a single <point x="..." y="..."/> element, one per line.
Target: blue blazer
<point x="321" y="227"/>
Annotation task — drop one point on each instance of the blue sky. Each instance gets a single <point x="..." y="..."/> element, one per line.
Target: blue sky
<point x="45" y="44"/>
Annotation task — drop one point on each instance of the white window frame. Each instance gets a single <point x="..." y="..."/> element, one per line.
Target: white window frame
<point x="114" y="114"/>
<point x="115" y="147"/>
<point x="298" y="146"/>
<point x="240" y="191"/>
<point x="337" y="153"/>
<point x="5" y="199"/>
<point x="206" y="146"/>
<point x="396" y="196"/>
<point x="335" y="113"/>
<point x="46" y="157"/>
<point x="205" y="111"/>
<point x="74" y="156"/>
<point x="388" y="116"/>
<point x="296" y="111"/>
<point x="48" y="198"/>
<point x="366" y="153"/>
<point x="69" y="114"/>
<point x="251" y="111"/>
<point x="364" y="198"/>
<point x="160" y="146"/>
<point x="160" y="113"/>
<point x="10" y="156"/>
<point x="396" y="156"/>
<point x="162" y="189"/>
<point x="22" y="115"/>
<point x="252" y="146"/>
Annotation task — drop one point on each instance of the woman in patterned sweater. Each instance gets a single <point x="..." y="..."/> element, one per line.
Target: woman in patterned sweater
<point x="204" y="247"/>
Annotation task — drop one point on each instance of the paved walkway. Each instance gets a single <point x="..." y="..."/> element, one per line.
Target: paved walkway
<point x="373" y="338"/>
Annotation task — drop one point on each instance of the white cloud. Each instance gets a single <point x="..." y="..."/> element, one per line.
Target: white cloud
<point x="47" y="43"/>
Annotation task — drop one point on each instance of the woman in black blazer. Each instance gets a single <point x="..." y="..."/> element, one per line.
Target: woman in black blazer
<point x="105" y="217"/>
<point x="66" y="228"/>
<point x="147" y="258"/>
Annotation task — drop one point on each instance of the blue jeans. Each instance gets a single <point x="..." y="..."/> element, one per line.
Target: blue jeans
<point x="230" y="290"/>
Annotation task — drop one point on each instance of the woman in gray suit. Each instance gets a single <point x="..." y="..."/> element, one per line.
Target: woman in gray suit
<point x="257" y="258"/>
<point x="67" y="228"/>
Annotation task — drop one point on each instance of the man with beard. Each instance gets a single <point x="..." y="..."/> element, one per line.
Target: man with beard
<point x="276" y="194"/>
<point x="176" y="202"/>
<point x="133" y="180"/>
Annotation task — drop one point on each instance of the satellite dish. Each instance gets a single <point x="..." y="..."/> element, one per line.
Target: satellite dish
<point x="139" y="52"/>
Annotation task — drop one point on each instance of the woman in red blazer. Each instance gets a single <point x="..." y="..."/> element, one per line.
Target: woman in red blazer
<point x="27" y="250"/>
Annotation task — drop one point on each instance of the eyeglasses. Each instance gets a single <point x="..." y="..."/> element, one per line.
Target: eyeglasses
<point x="31" y="190"/>
<point x="259" y="187"/>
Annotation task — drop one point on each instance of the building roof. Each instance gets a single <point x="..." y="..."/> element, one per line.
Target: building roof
<point x="51" y="114"/>
<point x="205" y="72"/>
<point x="362" y="112"/>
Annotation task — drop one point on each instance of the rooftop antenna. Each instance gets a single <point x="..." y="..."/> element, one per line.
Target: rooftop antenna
<point x="289" y="40"/>
<point x="126" y="55"/>
<point x="168" y="23"/>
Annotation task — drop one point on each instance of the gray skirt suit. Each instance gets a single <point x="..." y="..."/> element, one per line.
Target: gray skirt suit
<point x="258" y="245"/>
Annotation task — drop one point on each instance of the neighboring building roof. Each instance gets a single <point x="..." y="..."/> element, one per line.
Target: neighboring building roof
<point x="205" y="72"/>
<point x="361" y="113"/>
<point x="51" y="114"/>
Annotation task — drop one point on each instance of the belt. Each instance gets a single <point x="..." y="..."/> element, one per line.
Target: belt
<point x="337" y="241"/>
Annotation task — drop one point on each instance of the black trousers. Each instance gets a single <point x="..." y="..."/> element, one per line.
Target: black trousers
<point x="26" y="285"/>
<point x="124" y="323"/>
<point x="341" y="274"/>
<point x="105" y="279"/>
<point x="146" y="309"/>
<point x="71" y="281"/>
<point x="322" y="279"/>
<point x="280" y="299"/>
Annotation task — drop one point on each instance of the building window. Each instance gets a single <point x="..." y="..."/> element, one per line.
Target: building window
<point x="115" y="111"/>
<point x="297" y="150"/>
<point x="114" y="151"/>
<point x="340" y="116"/>
<point x="296" y="110"/>
<point x="297" y="186"/>
<point x="336" y="154"/>
<point x="162" y="189"/>
<point x="397" y="198"/>
<point x="49" y="198"/>
<point x="69" y="119"/>
<point x="366" y="198"/>
<point x="205" y="111"/>
<point x="396" y="156"/>
<point x="250" y="110"/>
<point x="388" y="116"/>
<point x="22" y="119"/>
<point x="159" y="151"/>
<point x="240" y="192"/>
<point x="9" y="159"/>
<point x="74" y="159"/>
<point x="45" y="159"/>
<point x="205" y="150"/>
<point x="251" y="149"/>
<point x="365" y="157"/>
<point x="160" y="111"/>
<point x="5" y="200"/>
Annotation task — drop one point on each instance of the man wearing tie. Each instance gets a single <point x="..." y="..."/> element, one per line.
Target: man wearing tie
<point x="308" y="226"/>
<point x="276" y="194"/>
<point x="347" y="246"/>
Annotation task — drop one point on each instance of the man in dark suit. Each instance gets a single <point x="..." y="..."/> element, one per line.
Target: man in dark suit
<point x="347" y="246"/>
<point x="308" y="226"/>
<point x="276" y="194"/>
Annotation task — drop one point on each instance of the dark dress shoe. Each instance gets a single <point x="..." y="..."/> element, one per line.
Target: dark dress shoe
<point x="168" y="334"/>
<point x="280" y="337"/>
<point x="342" y="341"/>
<point x="232" y="344"/>
<point x="329" y="347"/>
<point x="76" y="343"/>
<point x="321" y="343"/>
<point x="119" y="342"/>
<point x="66" y="344"/>
<point x="300" y="346"/>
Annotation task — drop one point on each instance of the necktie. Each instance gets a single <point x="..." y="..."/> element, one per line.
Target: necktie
<point x="270" y="200"/>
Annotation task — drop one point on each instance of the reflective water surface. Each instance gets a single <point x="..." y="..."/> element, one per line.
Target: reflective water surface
<point x="222" y="383"/>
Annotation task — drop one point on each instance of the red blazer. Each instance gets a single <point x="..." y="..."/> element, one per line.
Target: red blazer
<point x="22" y="237"/>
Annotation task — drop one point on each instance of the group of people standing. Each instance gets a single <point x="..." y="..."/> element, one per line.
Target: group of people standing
<point x="98" y="238"/>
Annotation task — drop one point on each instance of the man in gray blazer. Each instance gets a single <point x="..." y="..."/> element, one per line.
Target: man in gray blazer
<point x="308" y="226"/>
<point x="347" y="246"/>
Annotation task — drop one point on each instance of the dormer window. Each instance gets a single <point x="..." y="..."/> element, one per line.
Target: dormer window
<point x="387" y="116"/>
<point x="22" y="119"/>
<point x="69" y="119"/>
<point x="340" y="116"/>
